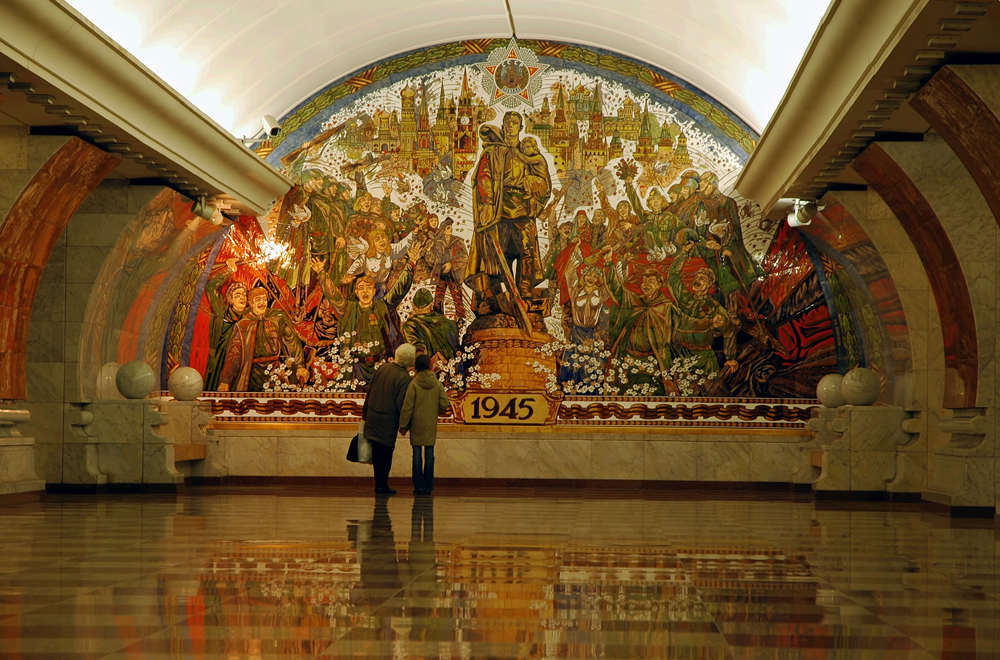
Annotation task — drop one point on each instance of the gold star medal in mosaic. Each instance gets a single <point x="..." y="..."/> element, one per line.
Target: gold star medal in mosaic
<point x="512" y="75"/>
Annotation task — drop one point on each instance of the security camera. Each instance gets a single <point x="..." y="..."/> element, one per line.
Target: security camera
<point x="270" y="125"/>
<point x="803" y="214"/>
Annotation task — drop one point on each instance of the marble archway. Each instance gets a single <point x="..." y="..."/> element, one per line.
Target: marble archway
<point x="32" y="226"/>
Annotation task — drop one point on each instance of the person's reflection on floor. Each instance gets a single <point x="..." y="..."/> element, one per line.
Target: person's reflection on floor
<point x="420" y="574"/>
<point x="423" y="514"/>
<point x="376" y="545"/>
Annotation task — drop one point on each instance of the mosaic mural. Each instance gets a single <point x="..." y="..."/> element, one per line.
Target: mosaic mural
<point x="542" y="220"/>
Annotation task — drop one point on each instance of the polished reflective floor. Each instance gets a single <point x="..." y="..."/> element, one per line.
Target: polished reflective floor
<point x="300" y="573"/>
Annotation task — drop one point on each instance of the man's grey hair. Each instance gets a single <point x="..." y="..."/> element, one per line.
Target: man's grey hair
<point x="406" y="354"/>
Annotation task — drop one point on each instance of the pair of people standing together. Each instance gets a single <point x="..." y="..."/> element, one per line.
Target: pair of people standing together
<point x="397" y="403"/>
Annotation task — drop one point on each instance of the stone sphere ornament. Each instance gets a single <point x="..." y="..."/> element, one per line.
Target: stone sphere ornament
<point x="135" y="380"/>
<point x="829" y="392"/>
<point x="185" y="384"/>
<point x="861" y="387"/>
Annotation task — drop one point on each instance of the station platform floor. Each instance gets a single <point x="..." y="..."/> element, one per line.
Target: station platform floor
<point x="301" y="572"/>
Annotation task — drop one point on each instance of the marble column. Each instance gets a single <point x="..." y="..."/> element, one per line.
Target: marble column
<point x="58" y="323"/>
<point x="949" y="221"/>
<point x="41" y="192"/>
<point x="921" y="388"/>
<point x="43" y="181"/>
<point x="962" y="103"/>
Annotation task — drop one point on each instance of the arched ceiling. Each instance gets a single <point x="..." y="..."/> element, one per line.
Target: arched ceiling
<point x="240" y="59"/>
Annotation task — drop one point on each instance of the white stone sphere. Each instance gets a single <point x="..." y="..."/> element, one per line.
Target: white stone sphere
<point x="861" y="387"/>
<point x="106" y="387"/>
<point x="185" y="384"/>
<point x="828" y="391"/>
<point x="135" y="380"/>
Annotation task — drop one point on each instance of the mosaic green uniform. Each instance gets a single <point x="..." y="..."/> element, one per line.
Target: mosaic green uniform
<point x="220" y="334"/>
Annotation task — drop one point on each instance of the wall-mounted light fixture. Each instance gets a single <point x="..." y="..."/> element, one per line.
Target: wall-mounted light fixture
<point x="203" y="209"/>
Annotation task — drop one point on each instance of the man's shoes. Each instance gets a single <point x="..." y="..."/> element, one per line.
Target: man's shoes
<point x="417" y="491"/>
<point x="384" y="491"/>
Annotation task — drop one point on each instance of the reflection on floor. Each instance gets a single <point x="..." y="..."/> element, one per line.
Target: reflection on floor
<point x="300" y="573"/>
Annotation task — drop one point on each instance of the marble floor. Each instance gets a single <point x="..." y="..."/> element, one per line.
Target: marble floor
<point x="292" y="572"/>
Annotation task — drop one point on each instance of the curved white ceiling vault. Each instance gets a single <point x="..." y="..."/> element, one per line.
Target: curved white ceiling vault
<point x="240" y="59"/>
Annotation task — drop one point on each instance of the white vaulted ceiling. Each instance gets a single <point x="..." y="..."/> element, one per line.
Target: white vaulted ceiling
<point x="240" y="59"/>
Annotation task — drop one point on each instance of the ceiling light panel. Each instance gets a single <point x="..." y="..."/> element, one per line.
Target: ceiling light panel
<point x="742" y="52"/>
<point x="240" y="59"/>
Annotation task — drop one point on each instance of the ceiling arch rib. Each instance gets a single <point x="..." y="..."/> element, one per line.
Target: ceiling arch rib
<point x="239" y="60"/>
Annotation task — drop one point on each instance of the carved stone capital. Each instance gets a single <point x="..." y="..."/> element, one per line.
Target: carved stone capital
<point x="10" y="419"/>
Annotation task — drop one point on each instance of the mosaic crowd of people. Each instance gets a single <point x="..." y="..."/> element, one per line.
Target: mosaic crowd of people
<point x="651" y="285"/>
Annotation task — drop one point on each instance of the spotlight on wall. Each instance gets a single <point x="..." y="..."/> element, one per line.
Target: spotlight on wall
<point x="270" y="125"/>
<point x="802" y="213"/>
<point x="203" y="209"/>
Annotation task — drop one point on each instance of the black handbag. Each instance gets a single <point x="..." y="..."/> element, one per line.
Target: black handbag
<point x="352" y="450"/>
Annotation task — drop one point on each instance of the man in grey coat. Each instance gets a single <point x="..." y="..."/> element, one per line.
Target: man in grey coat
<point x="383" y="405"/>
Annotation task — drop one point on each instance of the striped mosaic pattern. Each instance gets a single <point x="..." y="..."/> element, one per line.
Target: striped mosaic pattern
<point x="533" y="573"/>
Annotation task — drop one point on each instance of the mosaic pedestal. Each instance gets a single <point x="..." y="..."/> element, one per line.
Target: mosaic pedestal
<point x="507" y="379"/>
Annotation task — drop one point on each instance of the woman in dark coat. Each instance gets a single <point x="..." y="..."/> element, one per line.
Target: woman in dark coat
<point x="381" y="413"/>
